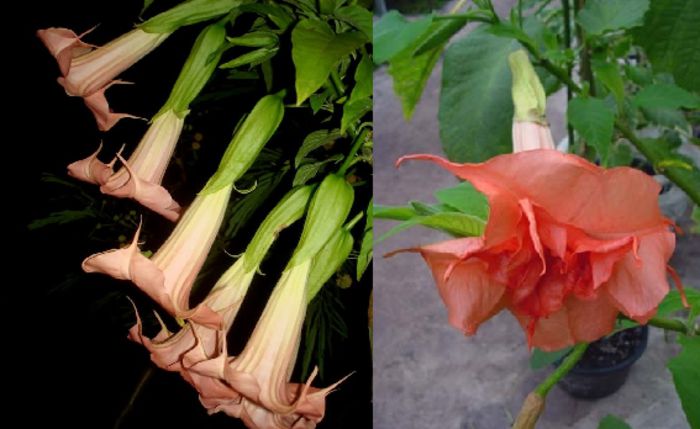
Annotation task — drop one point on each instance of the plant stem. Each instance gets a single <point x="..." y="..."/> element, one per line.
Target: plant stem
<point x="668" y="324"/>
<point x="567" y="43"/>
<point x="356" y="145"/>
<point x="137" y="391"/>
<point x="474" y="15"/>
<point x="645" y="147"/>
<point x="571" y="359"/>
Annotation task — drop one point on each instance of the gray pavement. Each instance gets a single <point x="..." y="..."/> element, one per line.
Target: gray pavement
<point x="427" y="374"/>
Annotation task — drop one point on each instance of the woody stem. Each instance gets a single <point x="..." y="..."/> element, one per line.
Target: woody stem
<point x="571" y="359"/>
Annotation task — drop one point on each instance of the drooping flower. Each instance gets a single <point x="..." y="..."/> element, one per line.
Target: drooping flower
<point x="91" y="169"/>
<point x="88" y="72"/>
<point x="167" y="277"/>
<point x="567" y="246"/>
<point x="261" y="373"/>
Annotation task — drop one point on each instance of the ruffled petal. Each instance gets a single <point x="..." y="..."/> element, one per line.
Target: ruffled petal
<point x="468" y="291"/>
<point x="547" y="333"/>
<point x="64" y="45"/>
<point x="590" y="320"/>
<point x="616" y="200"/>
<point x="637" y="286"/>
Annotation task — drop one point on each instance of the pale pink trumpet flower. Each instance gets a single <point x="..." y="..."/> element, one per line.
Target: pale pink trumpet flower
<point x="88" y="73"/>
<point x="167" y="277"/>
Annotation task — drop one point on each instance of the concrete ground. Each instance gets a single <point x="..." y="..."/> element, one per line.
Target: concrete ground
<point x="427" y="374"/>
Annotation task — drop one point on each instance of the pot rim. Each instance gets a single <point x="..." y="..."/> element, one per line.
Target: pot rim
<point x="632" y="358"/>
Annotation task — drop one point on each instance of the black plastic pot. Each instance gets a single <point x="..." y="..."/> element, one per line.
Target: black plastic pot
<point x="593" y="383"/>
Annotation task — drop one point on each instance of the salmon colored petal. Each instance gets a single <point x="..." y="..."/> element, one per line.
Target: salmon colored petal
<point x="64" y="45"/>
<point x="149" y="195"/>
<point x="547" y="333"/>
<point x="115" y="263"/>
<point x="470" y="295"/>
<point x="637" y="286"/>
<point x="98" y="105"/>
<point x="616" y="200"/>
<point x="91" y="169"/>
<point x="590" y="320"/>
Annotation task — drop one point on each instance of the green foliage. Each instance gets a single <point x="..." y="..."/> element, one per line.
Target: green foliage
<point x="670" y="39"/>
<point x="462" y="211"/>
<point x="594" y="121"/>
<point x="686" y="378"/>
<point x="599" y="16"/>
<point x="365" y="256"/>
<point x="475" y="101"/>
<point x="324" y="321"/>
<point x="665" y="96"/>
<point x="316" y="50"/>
<point x="613" y="422"/>
<point x="393" y="34"/>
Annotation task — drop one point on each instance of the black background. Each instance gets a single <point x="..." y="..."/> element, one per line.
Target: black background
<point x="69" y="351"/>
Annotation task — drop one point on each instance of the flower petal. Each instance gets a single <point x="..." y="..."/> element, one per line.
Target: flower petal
<point x="150" y="195"/>
<point x="615" y="200"/>
<point x="590" y="320"/>
<point x="91" y="169"/>
<point x="98" y="105"/>
<point x="64" y="45"/>
<point x="637" y="286"/>
<point x="469" y="293"/>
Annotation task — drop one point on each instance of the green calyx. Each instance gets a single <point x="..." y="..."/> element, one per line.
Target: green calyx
<point x="328" y="260"/>
<point x="327" y="212"/>
<point x="290" y="209"/>
<point x="247" y="142"/>
<point x="198" y="68"/>
<point x="529" y="98"/>
<point x="188" y="13"/>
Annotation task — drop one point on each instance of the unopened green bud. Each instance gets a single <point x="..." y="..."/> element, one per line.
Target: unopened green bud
<point x="328" y="260"/>
<point x="188" y="13"/>
<point x="329" y="207"/>
<point x="290" y="209"/>
<point x="198" y="68"/>
<point x="529" y="98"/>
<point x="247" y="142"/>
<point x="251" y="58"/>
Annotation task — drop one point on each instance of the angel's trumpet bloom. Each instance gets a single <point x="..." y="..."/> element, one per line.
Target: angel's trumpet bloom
<point x="530" y="128"/>
<point x="262" y="371"/>
<point x="168" y="276"/>
<point x="64" y="45"/>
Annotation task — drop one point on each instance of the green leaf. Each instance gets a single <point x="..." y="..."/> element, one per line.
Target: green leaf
<point x="465" y="198"/>
<point x="594" y="121"/>
<point x="61" y="218"/>
<point x="667" y="117"/>
<point x="393" y="34"/>
<point x="411" y="74"/>
<point x="670" y="38"/>
<point x="316" y="50"/>
<point x="146" y="5"/>
<point x="639" y="75"/>
<point x="363" y="79"/>
<point x="309" y="171"/>
<point x="620" y="155"/>
<point x="696" y="219"/>
<point x="251" y="58"/>
<point x="683" y="168"/>
<point x="610" y="76"/>
<point x="366" y="248"/>
<point x="476" y="108"/>
<point x="613" y="422"/>
<point x="438" y="35"/>
<point x="393" y="212"/>
<point x="454" y="223"/>
<point x="313" y="141"/>
<point x="540" y="359"/>
<point x="672" y="303"/>
<point x="599" y="16"/>
<point x="353" y="111"/>
<point x="665" y="96"/>
<point x="358" y="17"/>
<point x="686" y="378"/>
